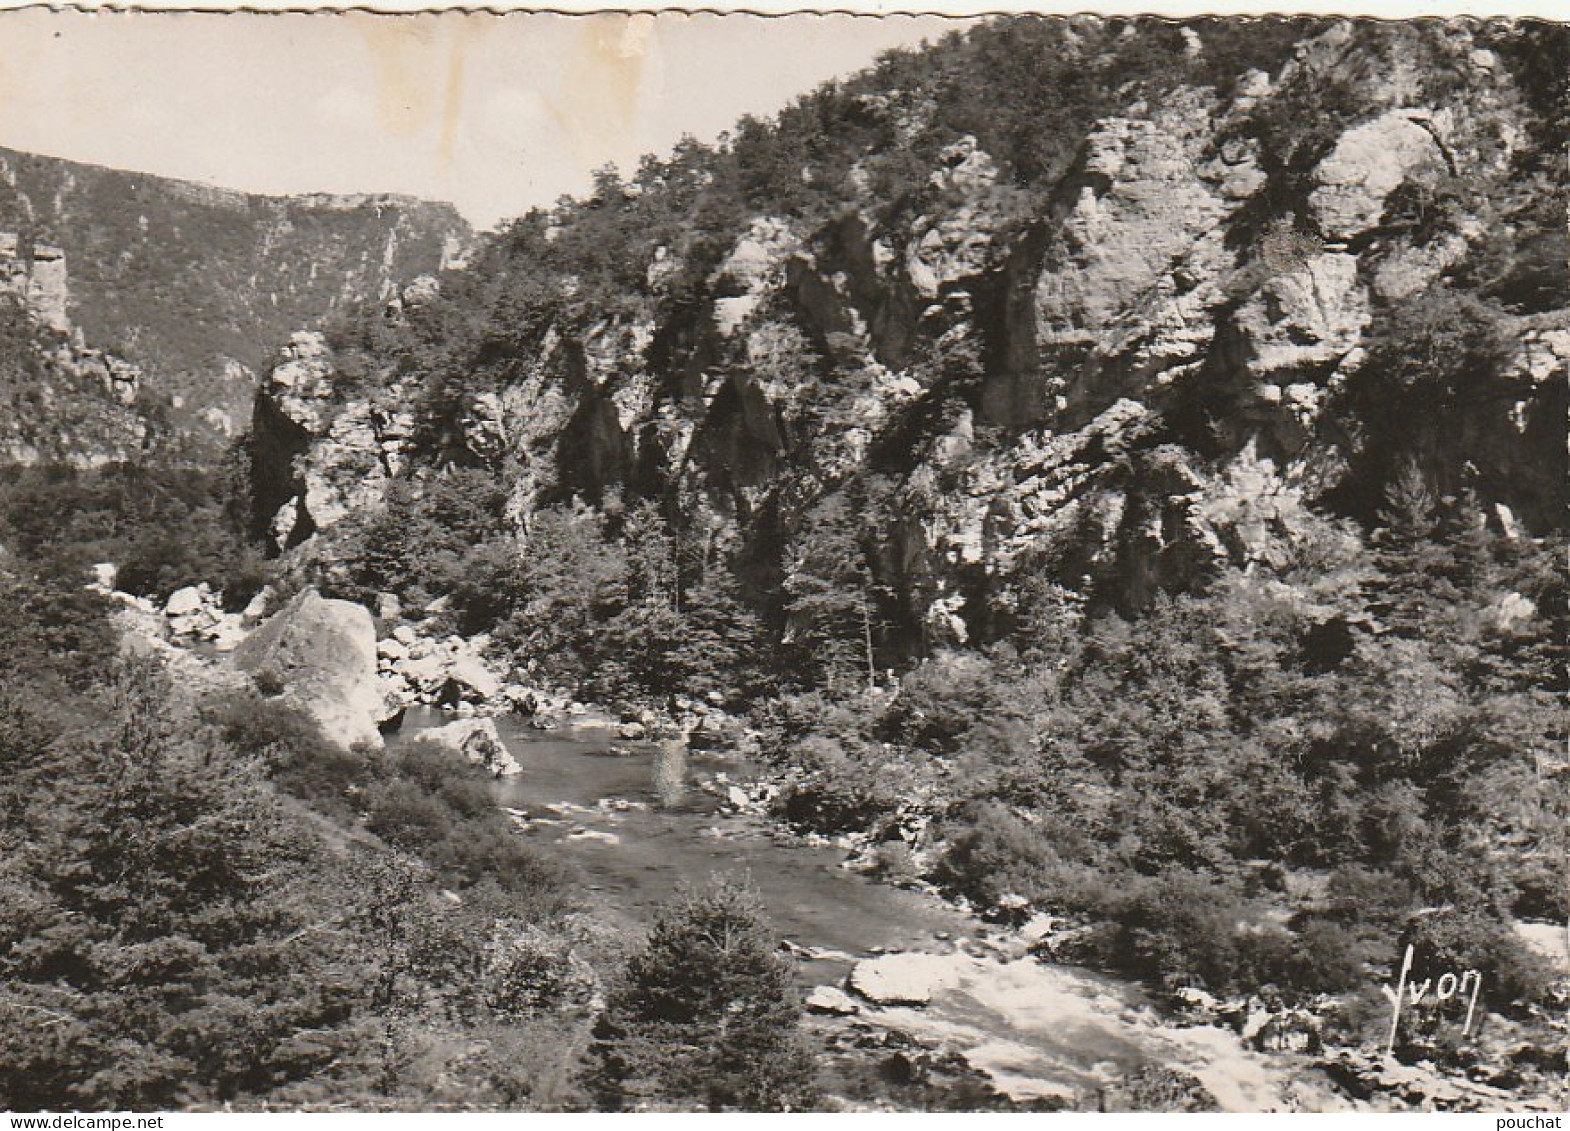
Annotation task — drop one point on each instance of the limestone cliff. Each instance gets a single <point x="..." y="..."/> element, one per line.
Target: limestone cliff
<point x="1147" y="344"/>
<point x="61" y="401"/>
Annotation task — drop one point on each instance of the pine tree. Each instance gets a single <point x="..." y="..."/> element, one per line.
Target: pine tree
<point x="706" y="1015"/>
<point x="1410" y="555"/>
<point x="832" y="590"/>
<point x="161" y="944"/>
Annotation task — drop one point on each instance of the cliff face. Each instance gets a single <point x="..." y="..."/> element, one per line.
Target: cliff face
<point x="63" y="402"/>
<point x="198" y="285"/>
<point x="1264" y="285"/>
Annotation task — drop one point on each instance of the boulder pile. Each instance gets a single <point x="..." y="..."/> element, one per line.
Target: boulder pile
<point x="196" y="613"/>
<point x="417" y="669"/>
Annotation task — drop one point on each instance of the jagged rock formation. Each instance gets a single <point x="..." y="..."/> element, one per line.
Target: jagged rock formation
<point x="300" y="484"/>
<point x="1153" y="359"/>
<point x="37" y="280"/>
<point x="64" y="402"/>
<point x="197" y="285"/>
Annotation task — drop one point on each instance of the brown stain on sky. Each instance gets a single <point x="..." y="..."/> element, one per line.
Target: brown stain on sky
<point x="400" y="52"/>
<point x="597" y="113"/>
<point x="414" y="91"/>
<point x="462" y="32"/>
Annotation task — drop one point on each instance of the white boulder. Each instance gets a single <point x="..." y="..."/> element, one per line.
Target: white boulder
<point x="1365" y="167"/>
<point x="184" y="602"/>
<point x="478" y="741"/>
<point x="321" y="655"/>
<point x="831" y="1000"/>
<point x="903" y="979"/>
<point x="469" y="672"/>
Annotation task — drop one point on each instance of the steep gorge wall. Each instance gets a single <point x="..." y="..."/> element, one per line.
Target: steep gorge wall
<point x="1162" y="362"/>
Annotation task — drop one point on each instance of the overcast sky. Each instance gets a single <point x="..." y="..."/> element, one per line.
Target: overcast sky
<point x="495" y="114"/>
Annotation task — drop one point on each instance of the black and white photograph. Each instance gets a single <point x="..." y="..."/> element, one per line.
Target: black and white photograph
<point x="655" y="561"/>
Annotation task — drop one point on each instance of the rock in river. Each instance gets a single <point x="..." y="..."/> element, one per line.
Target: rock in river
<point x="831" y="1000"/>
<point x="476" y="740"/>
<point x="903" y="979"/>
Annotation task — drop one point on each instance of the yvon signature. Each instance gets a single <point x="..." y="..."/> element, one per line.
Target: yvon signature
<point x="1449" y="986"/>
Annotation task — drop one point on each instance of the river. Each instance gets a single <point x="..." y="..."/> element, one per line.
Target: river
<point x="1035" y="1029"/>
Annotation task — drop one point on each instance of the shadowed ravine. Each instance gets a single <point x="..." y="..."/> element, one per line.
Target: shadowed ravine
<point x="1035" y="1029"/>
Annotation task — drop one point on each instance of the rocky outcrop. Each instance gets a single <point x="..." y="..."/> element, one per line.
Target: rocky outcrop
<point x="321" y="656"/>
<point x="1139" y="206"/>
<point x="830" y="1001"/>
<point x="61" y="401"/>
<point x="319" y="456"/>
<point x="1368" y="164"/>
<point x="195" y="612"/>
<point x="1419" y="1087"/>
<point x="448" y="671"/>
<point x="38" y="280"/>
<point x="1313" y="314"/>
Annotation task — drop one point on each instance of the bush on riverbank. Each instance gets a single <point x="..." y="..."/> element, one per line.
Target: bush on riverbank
<point x="706" y="1014"/>
<point x="419" y="798"/>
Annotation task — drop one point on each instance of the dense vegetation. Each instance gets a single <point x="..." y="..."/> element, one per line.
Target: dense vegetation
<point x="1263" y="779"/>
<point x="163" y="524"/>
<point x="205" y="903"/>
<point x="179" y="931"/>
<point x="1370" y="731"/>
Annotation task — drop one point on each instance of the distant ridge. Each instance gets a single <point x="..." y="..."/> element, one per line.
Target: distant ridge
<point x="197" y="284"/>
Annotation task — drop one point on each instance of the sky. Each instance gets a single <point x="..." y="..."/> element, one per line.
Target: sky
<point x="496" y="114"/>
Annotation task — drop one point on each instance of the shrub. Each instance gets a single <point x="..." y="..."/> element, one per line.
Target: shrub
<point x="997" y="853"/>
<point x="298" y="757"/>
<point x="1455" y="940"/>
<point x="843" y="784"/>
<point x="941" y="701"/>
<point x="403" y="814"/>
<point x="707" y="1013"/>
<point x="489" y="852"/>
<point x="463" y="788"/>
<point x="1326" y="959"/>
<point x="1176" y="930"/>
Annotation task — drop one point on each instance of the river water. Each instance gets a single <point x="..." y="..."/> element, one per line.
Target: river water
<point x="599" y="808"/>
<point x="1034" y="1028"/>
